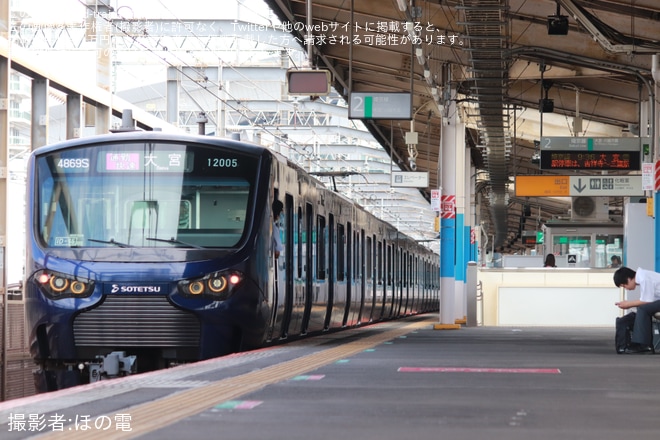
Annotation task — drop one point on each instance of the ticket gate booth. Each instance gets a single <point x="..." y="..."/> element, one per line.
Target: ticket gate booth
<point x="583" y="244"/>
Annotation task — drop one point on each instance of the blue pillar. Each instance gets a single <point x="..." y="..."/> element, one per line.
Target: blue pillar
<point x="453" y="137"/>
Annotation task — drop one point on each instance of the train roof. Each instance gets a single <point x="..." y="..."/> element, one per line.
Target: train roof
<point x="150" y="136"/>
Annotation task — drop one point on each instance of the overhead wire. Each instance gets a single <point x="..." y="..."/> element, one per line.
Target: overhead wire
<point x="243" y="110"/>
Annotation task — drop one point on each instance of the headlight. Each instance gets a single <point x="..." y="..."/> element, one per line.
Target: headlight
<point x="218" y="286"/>
<point x="57" y="286"/>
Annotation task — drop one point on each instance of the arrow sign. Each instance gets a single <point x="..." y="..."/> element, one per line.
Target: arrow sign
<point x="566" y="186"/>
<point x="606" y="186"/>
<point x="579" y="186"/>
<point x="571" y="259"/>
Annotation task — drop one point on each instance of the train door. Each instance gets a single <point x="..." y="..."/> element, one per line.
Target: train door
<point x="308" y="268"/>
<point x="289" y="259"/>
<point x="405" y="285"/>
<point x="410" y="289"/>
<point x="407" y="289"/>
<point x="421" y="285"/>
<point x="370" y="281"/>
<point x="331" y="274"/>
<point x="348" y="269"/>
<point x="410" y="299"/>
<point x="279" y="279"/>
<point x="356" y="289"/>
<point x="319" y="312"/>
<point x="299" y="296"/>
<point x="415" y="291"/>
<point x="379" y="288"/>
<point x="339" y="303"/>
<point x="424" y="285"/>
<point x="398" y="281"/>
<point x="389" y="278"/>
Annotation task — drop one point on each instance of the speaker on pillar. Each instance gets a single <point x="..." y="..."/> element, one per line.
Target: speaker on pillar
<point x="546" y="105"/>
<point x="557" y="25"/>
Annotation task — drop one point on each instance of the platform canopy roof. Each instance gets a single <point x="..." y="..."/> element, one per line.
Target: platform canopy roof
<point x="588" y="63"/>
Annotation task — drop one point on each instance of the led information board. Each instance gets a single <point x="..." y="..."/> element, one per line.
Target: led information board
<point x="591" y="160"/>
<point x="592" y="153"/>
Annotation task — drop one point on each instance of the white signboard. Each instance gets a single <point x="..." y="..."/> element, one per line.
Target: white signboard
<point x="435" y="200"/>
<point x="409" y="179"/>
<point x="593" y="143"/>
<point x="606" y="186"/>
<point x="648" y="180"/>
<point x="375" y="105"/>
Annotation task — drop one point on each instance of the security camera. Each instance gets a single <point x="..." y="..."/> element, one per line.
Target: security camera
<point x="413" y="165"/>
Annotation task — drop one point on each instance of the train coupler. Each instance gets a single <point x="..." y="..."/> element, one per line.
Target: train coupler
<point x="112" y="365"/>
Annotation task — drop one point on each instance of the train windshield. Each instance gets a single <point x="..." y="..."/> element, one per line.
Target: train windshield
<point x="144" y="195"/>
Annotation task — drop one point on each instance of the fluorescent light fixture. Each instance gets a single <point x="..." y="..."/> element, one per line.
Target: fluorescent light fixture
<point x="402" y="5"/>
<point x="419" y="52"/>
<point x="427" y="73"/>
<point x="410" y="27"/>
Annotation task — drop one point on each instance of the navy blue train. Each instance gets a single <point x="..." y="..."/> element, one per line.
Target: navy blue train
<point x="147" y="250"/>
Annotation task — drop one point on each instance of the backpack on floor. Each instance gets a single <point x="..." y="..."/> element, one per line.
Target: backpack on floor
<point x="624" y="326"/>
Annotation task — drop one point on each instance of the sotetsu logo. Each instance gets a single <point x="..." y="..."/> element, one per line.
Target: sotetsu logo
<point x="135" y="289"/>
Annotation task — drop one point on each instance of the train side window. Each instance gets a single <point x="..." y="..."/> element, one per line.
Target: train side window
<point x="369" y="262"/>
<point x="332" y="249"/>
<point x="379" y="263"/>
<point x="349" y="252"/>
<point x="406" y="268"/>
<point x="341" y="251"/>
<point x="320" y="247"/>
<point x="309" y="240"/>
<point x="357" y="257"/>
<point x="415" y="270"/>
<point x="397" y="266"/>
<point x="389" y="266"/>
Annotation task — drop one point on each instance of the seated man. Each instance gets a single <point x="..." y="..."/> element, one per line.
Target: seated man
<point x="647" y="305"/>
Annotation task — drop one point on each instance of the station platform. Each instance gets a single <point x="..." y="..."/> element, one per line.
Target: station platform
<point x="394" y="380"/>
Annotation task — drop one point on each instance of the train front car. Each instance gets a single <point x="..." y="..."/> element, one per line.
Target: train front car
<point x="144" y="251"/>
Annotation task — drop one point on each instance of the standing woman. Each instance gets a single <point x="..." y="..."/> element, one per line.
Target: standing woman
<point x="549" y="261"/>
<point x="277" y="240"/>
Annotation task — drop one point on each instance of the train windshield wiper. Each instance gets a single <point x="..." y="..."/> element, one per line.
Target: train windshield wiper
<point x="174" y="241"/>
<point x="111" y="241"/>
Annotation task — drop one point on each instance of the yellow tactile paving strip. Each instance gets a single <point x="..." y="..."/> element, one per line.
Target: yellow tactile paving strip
<point x="160" y="413"/>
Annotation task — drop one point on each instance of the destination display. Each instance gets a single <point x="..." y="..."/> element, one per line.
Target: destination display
<point x="163" y="161"/>
<point x="140" y="158"/>
<point x="591" y="160"/>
